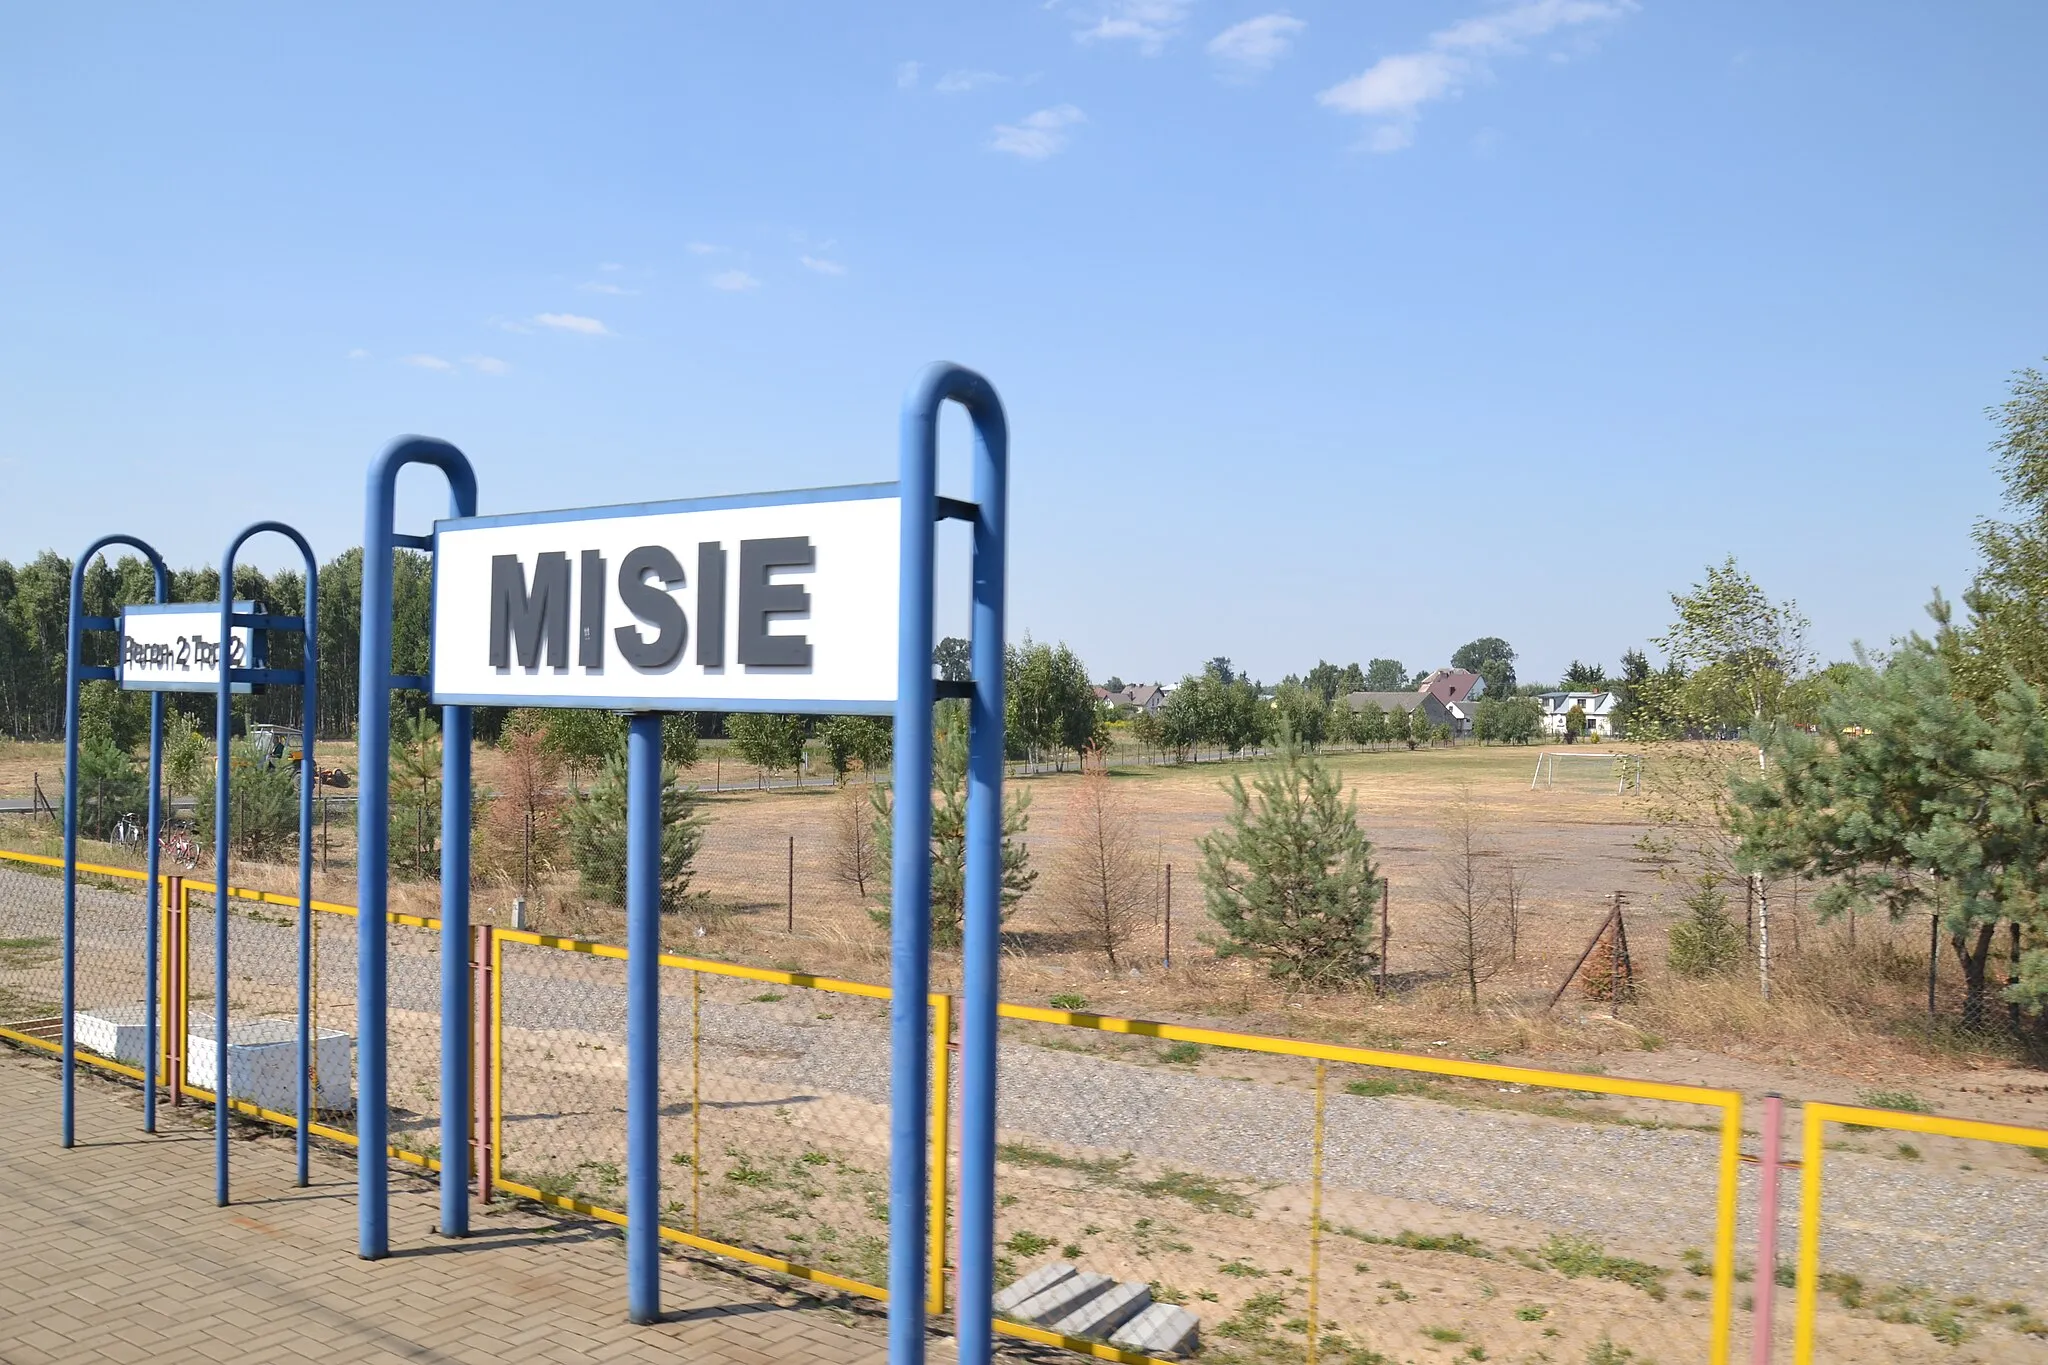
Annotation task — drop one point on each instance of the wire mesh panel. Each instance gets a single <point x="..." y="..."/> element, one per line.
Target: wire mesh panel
<point x="1168" y="1168"/>
<point x="562" y="1070"/>
<point x="31" y="951"/>
<point x="1930" y="1247"/>
<point x="413" y="1050"/>
<point x="775" y="1120"/>
<point x="1284" y="1201"/>
<point x="1518" y="1219"/>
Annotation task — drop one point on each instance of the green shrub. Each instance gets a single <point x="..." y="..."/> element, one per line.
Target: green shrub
<point x="1706" y="942"/>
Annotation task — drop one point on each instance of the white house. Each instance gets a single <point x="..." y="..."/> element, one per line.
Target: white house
<point x="1598" y="706"/>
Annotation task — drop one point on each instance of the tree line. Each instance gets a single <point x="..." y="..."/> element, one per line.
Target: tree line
<point x="35" y="603"/>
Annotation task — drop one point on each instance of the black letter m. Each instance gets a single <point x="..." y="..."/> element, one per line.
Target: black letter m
<point x="516" y="613"/>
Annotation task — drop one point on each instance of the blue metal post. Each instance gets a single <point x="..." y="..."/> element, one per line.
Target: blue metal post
<point x="373" y="824"/>
<point x="306" y="677"/>
<point x="910" y="927"/>
<point x="643" y="1018"/>
<point x="67" y="1027"/>
<point x="151" y="935"/>
<point x="76" y="673"/>
<point x="309" y="778"/>
<point x="981" y="947"/>
<point x="455" y="1006"/>
<point x="223" y="767"/>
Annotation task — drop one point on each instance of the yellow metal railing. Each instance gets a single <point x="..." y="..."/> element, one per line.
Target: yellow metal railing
<point x="1815" y="1117"/>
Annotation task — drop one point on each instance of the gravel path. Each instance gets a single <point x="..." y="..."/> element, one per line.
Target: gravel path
<point x="1890" y="1221"/>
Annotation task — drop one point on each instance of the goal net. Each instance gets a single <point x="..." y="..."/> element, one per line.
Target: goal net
<point x="1588" y="770"/>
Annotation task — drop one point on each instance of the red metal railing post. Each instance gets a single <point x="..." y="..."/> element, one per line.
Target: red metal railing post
<point x="173" y="1046"/>
<point x="1767" y="1228"/>
<point x="481" y="1069"/>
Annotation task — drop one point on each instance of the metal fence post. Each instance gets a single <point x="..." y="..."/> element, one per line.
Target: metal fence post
<point x="941" y="1125"/>
<point x="175" y="955"/>
<point x="696" y="1099"/>
<point x="1767" y="1228"/>
<point x="483" y="1094"/>
<point x="1315" y="1213"/>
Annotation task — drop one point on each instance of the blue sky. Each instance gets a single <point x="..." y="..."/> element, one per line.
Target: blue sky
<point x="1342" y="330"/>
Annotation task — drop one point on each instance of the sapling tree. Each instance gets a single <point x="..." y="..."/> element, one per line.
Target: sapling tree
<point x="1289" y="878"/>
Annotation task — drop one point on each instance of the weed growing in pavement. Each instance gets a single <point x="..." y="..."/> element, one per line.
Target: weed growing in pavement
<point x="1028" y="1243"/>
<point x="1443" y="1334"/>
<point x="1534" y="1312"/>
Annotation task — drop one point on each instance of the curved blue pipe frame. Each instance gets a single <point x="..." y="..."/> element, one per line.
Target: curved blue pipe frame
<point x="222" y="782"/>
<point x="76" y="674"/>
<point x="373" y="837"/>
<point x="910" y="901"/>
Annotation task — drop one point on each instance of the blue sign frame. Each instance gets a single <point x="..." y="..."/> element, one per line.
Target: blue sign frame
<point x="77" y="673"/>
<point x="373" y="882"/>
<point x="910" y="895"/>
<point x="917" y="690"/>
<point x="232" y="680"/>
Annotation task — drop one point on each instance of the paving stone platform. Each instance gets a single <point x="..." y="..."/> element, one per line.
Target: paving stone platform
<point x="115" y="1252"/>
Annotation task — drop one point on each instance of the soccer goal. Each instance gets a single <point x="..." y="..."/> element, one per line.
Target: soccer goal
<point x="1588" y="770"/>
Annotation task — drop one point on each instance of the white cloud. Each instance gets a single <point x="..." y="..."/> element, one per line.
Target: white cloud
<point x="511" y="325"/>
<point x="572" y="322"/>
<point x="358" y="354"/>
<point x="732" y="281"/>
<point x="1254" y="45"/>
<point x="486" y="364"/>
<point x="1037" y="136"/>
<point x="704" y="249"/>
<point x="607" y="287"/>
<point x="1395" y="88"/>
<point x="906" y="75"/>
<point x="1148" y="23"/>
<point x="961" y="82"/>
<point x="426" y="362"/>
<point x="822" y="265"/>
<point x="610" y="265"/>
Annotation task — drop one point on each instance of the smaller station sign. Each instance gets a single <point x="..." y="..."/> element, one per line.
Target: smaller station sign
<point x="175" y="647"/>
<point x="766" y="602"/>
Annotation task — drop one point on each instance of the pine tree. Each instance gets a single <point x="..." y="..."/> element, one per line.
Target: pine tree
<point x="1290" y="878"/>
<point x="1706" y="942"/>
<point x="949" y="833"/>
<point x="597" y="836"/>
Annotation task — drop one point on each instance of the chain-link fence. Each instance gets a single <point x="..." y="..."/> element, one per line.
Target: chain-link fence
<point x="1925" y="1243"/>
<point x="1295" y="1203"/>
<point x="774" y="1103"/>
<point x="110" y="972"/>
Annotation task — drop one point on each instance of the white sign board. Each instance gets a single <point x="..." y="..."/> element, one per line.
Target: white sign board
<point x="774" y="602"/>
<point x="175" y="647"/>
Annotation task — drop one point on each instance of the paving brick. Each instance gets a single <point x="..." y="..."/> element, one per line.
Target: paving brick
<point x="116" y="1254"/>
